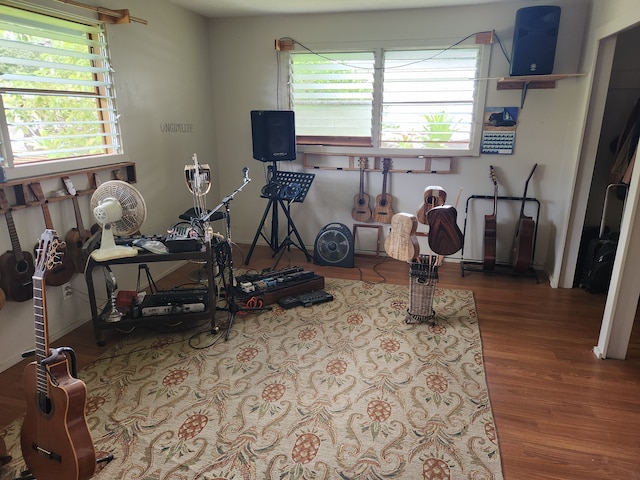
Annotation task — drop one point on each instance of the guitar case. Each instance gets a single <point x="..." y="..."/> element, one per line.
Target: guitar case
<point x="334" y="246"/>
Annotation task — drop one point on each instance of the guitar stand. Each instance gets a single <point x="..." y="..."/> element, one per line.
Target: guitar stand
<point x="26" y="474"/>
<point x="501" y="268"/>
<point x="282" y="187"/>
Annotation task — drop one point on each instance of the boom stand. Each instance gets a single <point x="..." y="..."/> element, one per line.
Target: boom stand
<point x="224" y="256"/>
<point x="290" y="187"/>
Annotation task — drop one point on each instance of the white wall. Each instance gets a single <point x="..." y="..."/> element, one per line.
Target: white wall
<point x="162" y="75"/>
<point x="245" y="78"/>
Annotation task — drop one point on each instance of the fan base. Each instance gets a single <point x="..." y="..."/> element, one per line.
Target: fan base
<point x="119" y="251"/>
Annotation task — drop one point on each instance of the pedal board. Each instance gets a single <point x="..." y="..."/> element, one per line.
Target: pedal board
<point x="305" y="299"/>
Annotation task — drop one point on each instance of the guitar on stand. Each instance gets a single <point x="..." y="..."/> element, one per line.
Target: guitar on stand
<point x="522" y="251"/>
<point x="55" y="438"/>
<point x="434" y="196"/>
<point x="490" y="227"/>
<point x="16" y="266"/>
<point x="445" y="237"/>
<point x="361" y="211"/>
<point x="383" y="211"/>
<point x="402" y="243"/>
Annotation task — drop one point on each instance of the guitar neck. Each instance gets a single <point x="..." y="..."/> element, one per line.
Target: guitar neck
<point x="15" y="242"/>
<point x="39" y="194"/>
<point x="78" y="215"/>
<point x="42" y="341"/>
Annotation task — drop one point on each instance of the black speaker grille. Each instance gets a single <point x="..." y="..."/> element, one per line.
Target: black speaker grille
<point x="273" y="135"/>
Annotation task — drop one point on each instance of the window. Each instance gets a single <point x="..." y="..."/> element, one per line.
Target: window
<point x="56" y="94"/>
<point x="422" y="100"/>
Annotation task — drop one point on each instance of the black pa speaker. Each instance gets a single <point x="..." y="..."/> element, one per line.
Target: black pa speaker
<point x="274" y="135"/>
<point x="534" y="40"/>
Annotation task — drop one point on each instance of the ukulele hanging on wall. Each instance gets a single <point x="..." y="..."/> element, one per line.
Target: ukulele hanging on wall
<point x="383" y="211"/>
<point x="361" y="211"/>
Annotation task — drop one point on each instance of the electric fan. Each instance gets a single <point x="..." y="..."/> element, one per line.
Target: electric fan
<point x="121" y="210"/>
<point x="334" y="246"/>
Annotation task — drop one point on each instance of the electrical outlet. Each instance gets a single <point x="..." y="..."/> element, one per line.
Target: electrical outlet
<point x="67" y="292"/>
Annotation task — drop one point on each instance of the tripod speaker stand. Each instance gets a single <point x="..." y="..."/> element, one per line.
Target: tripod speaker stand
<point x="283" y="189"/>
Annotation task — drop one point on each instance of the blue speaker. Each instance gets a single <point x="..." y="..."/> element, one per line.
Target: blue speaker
<point x="534" y="40"/>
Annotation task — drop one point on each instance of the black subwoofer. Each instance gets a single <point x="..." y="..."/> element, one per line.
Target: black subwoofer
<point x="274" y="135"/>
<point x="534" y="40"/>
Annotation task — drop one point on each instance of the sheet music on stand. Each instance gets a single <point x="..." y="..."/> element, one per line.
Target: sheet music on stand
<point x="304" y="180"/>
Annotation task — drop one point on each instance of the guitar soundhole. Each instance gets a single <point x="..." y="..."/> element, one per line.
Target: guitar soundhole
<point x="22" y="267"/>
<point x="44" y="403"/>
<point x="361" y="201"/>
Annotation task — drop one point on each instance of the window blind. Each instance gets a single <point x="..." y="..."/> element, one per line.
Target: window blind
<point x="56" y="87"/>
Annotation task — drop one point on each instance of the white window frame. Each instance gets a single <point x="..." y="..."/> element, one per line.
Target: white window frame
<point x="11" y="170"/>
<point x="478" y="111"/>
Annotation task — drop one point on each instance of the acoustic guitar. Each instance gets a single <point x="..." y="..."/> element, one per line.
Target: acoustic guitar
<point x="402" y="243"/>
<point x="361" y="211"/>
<point x="490" y="228"/>
<point x="16" y="266"/>
<point x="522" y="250"/>
<point x="383" y="211"/>
<point x="62" y="272"/>
<point x="77" y="236"/>
<point x="55" y="438"/>
<point x="434" y="196"/>
<point x="445" y="237"/>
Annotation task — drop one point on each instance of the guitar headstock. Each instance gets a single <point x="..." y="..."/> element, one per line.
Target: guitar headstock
<point x="4" y="203"/>
<point x="48" y="255"/>
<point x="69" y="186"/>
<point x="362" y="163"/>
<point x="386" y="164"/>
<point x="492" y="176"/>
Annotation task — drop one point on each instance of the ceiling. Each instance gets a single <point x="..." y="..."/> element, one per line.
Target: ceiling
<point x="236" y="8"/>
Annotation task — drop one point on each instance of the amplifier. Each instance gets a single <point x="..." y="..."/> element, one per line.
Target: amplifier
<point x="182" y="238"/>
<point x="170" y="302"/>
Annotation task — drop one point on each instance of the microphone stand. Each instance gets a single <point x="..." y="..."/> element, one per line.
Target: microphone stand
<point x="224" y="255"/>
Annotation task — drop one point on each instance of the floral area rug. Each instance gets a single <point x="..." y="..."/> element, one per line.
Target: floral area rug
<point x="340" y="390"/>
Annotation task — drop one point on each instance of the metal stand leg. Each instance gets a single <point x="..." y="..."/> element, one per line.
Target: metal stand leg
<point x="287" y="242"/>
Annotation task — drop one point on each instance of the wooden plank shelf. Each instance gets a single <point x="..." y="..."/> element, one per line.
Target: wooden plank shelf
<point x="23" y="197"/>
<point x="424" y="164"/>
<point x="527" y="82"/>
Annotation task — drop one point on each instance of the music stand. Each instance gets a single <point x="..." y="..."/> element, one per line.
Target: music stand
<point x="289" y="187"/>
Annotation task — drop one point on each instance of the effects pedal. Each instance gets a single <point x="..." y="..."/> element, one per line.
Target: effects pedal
<point x="305" y="299"/>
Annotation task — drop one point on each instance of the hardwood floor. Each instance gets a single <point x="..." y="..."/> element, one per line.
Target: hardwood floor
<point x="560" y="413"/>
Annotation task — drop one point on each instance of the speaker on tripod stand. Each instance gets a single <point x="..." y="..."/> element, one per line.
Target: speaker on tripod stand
<point x="274" y="139"/>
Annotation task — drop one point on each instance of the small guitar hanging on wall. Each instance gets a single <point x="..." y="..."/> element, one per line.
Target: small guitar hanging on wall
<point x="383" y="211"/>
<point x="16" y="266"/>
<point x="361" y="211"/>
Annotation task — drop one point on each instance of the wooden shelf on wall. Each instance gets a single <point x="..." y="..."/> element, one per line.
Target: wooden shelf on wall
<point x="527" y="82"/>
<point x="350" y="162"/>
<point x="125" y="171"/>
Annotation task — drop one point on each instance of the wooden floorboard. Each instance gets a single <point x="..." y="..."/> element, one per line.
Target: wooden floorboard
<point x="560" y="412"/>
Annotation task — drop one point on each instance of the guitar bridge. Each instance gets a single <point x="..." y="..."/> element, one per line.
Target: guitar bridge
<point x="46" y="453"/>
